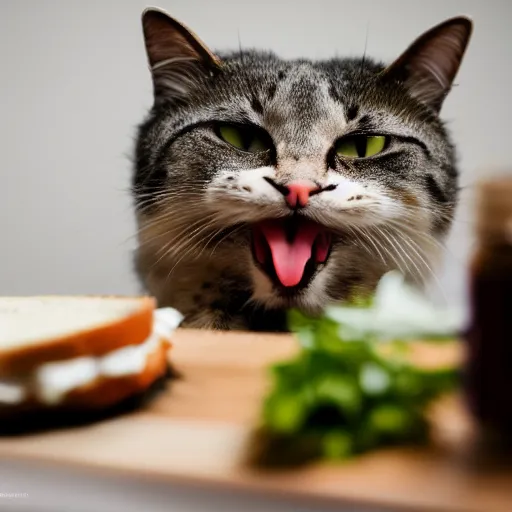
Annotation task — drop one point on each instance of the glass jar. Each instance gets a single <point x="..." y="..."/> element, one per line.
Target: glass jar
<point x="489" y="356"/>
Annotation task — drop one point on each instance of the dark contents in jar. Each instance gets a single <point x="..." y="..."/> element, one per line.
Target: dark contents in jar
<point x="489" y="366"/>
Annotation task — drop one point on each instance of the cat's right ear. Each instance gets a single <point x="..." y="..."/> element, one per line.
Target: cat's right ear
<point x="428" y="67"/>
<point x="177" y="57"/>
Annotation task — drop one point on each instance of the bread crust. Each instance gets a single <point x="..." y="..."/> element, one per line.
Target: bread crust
<point x="132" y="329"/>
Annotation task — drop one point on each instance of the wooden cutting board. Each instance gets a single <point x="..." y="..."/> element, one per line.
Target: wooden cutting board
<point x="197" y="431"/>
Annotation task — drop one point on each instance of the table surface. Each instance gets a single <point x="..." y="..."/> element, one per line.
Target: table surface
<point x="196" y="433"/>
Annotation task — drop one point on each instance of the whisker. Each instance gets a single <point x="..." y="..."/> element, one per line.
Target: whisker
<point x="372" y="242"/>
<point x="169" y="248"/>
<point x="159" y="220"/>
<point x="395" y="250"/>
<point x="236" y="230"/>
<point x="420" y="274"/>
<point x="414" y="246"/>
<point x="229" y="232"/>
<point x="186" y="253"/>
<point x="185" y="222"/>
<point x="414" y="231"/>
<point x="191" y="235"/>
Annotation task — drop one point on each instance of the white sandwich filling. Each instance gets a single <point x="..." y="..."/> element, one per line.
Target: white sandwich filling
<point x="51" y="382"/>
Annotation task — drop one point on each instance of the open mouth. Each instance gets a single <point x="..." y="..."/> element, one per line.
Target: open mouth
<point x="290" y="250"/>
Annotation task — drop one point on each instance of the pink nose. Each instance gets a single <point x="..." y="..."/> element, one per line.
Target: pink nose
<point x="299" y="193"/>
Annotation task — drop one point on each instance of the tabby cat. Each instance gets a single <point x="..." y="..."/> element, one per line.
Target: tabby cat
<point x="263" y="184"/>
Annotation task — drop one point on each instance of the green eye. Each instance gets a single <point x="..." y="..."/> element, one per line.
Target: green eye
<point x="257" y="146"/>
<point x="361" y="146"/>
<point x="232" y="136"/>
<point x="244" y="138"/>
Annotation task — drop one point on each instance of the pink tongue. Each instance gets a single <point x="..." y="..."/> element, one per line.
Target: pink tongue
<point x="290" y="258"/>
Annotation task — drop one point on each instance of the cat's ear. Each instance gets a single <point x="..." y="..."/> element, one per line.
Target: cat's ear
<point x="428" y="67"/>
<point x="177" y="57"/>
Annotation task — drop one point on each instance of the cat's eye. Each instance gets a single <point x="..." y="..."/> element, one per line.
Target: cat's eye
<point x="245" y="138"/>
<point x="361" y="146"/>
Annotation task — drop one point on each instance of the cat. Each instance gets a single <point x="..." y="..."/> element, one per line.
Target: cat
<point x="264" y="184"/>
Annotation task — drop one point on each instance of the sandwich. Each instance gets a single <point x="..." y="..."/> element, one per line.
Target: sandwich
<point x="61" y="355"/>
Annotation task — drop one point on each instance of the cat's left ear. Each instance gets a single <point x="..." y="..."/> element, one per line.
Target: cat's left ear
<point x="177" y="57"/>
<point x="428" y="67"/>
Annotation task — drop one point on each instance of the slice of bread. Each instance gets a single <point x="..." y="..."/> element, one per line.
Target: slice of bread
<point x="36" y="330"/>
<point x="80" y="353"/>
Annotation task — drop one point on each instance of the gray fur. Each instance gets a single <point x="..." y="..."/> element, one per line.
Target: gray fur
<point x="196" y="199"/>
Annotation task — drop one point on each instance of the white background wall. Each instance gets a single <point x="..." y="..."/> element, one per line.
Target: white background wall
<point x="74" y="83"/>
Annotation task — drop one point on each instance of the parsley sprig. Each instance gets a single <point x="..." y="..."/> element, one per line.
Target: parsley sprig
<point x="352" y="387"/>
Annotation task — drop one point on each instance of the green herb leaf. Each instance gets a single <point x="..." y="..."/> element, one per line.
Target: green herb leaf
<point x="352" y="387"/>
